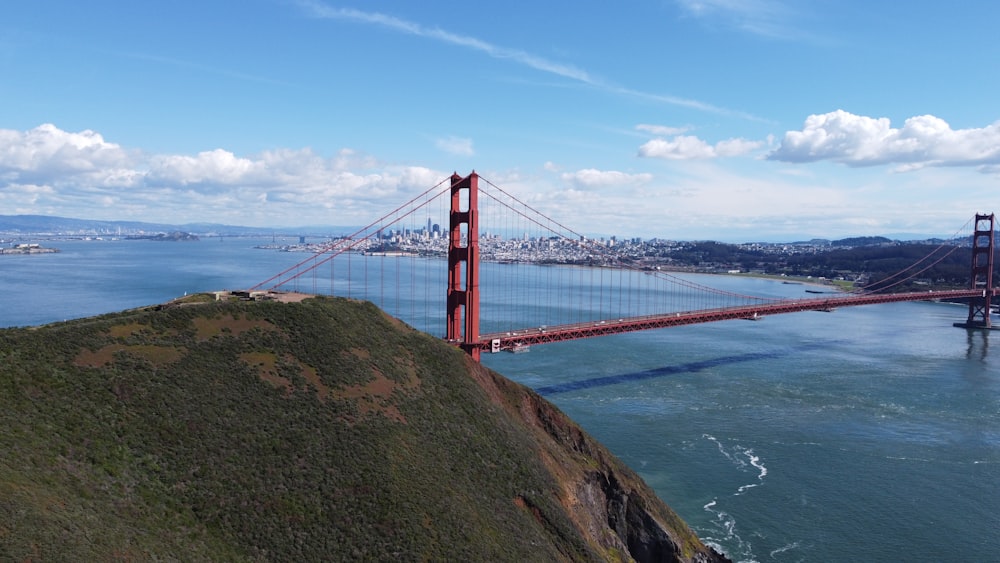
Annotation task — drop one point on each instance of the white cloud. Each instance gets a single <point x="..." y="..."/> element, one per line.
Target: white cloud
<point x="56" y="172"/>
<point x="682" y="147"/>
<point x="591" y="178"/>
<point x="217" y="167"/>
<point x="47" y="152"/>
<point x="857" y="140"/>
<point x="455" y="145"/>
<point x="50" y="171"/>
<point x="688" y="147"/>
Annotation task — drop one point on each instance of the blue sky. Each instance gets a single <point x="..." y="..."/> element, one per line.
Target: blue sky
<point x="686" y="119"/>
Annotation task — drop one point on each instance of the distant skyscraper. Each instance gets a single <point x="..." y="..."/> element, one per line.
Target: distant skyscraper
<point x="428" y="225"/>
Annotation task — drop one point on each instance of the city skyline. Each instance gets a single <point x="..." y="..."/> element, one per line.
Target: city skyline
<point x="685" y="119"/>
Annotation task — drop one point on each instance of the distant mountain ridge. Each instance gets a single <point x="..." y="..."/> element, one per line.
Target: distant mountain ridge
<point x="53" y="225"/>
<point x="862" y="241"/>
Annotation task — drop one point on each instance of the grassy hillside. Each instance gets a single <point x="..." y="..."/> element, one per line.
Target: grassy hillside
<point x="296" y="431"/>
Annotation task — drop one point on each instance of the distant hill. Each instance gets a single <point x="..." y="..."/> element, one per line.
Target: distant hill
<point x="52" y="224"/>
<point x="861" y="241"/>
<point x="318" y="430"/>
<point x="46" y="224"/>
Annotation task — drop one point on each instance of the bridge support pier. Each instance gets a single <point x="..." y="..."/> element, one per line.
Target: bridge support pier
<point x="463" y="249"/>
<point x="982" y="273"/>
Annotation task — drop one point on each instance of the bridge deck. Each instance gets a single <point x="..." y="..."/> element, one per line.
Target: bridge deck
<point x="542" y="335"/>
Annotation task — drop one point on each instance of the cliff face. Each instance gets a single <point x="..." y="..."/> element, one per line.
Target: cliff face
<point x="607" y="502"/>
<point x="297" y="431"/>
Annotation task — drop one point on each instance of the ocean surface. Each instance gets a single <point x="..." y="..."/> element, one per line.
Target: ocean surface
<point x="865" y="434"/>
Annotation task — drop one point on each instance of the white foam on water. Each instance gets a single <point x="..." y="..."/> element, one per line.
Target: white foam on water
<point x="743" y="459"/>
<point x="893" y="408"/>
<point x="726" y="524"/>
<point x="789" y="547"/>
<point x="755" y="461"/>
<point x="899" y="458"/>
<point x="722" y="448"/>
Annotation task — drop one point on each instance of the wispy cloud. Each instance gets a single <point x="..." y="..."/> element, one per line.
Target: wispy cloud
<point x="591" y="178"/>
<point x="661" y="130"/>
<point x="766" y="18"/>
<point x="204" y="68"/>
<point x="457" y="146"/>
<point x="320" y="10"/>
<point x="681" y="102"/>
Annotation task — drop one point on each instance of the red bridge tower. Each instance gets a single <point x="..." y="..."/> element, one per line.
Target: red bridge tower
<point x="982" y="272"/>
<point x="463" y="248"/>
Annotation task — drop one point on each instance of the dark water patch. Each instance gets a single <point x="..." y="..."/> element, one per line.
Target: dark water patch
<point x="690" y="367"/>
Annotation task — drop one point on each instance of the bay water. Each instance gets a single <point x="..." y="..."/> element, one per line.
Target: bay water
<point x="869" y="433"/>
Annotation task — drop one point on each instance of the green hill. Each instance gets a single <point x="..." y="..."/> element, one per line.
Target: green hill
<point x="318" y="430"/>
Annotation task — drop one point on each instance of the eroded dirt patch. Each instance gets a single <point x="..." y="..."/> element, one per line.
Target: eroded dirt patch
<point x="228" y="324"/>
<point x="124" y="331"/>
<point x="360" y="353"/>
<point x="312" y="376"/>
<point x="159" y="356"/>
<point x="376" y="395"/>
<point x="266" y="364"/>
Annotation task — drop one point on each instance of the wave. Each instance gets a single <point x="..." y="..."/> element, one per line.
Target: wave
<point x="726" y="524"/>
<point x="762" y="471"/>
<point x="902" y="458"/>
<point x="737" y="456"/>
<point x="894" y="408"/>
<point x="722" y="449"/>
<point x="789" y="547"/>
<point x="755" y="461"/>
<point x="744" y="459"/>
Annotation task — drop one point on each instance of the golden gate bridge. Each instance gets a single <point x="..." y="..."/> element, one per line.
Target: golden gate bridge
<point x="502" y="276"/>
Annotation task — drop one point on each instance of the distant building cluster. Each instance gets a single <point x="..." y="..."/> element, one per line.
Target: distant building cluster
<point x="807" y="259"/>
<point x="525" y="248"/>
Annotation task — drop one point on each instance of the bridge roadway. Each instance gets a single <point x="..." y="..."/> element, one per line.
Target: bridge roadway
<point x="514" y="340"/>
